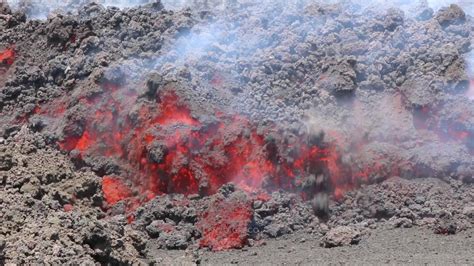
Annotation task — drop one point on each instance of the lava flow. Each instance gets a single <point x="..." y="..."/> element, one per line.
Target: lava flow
<point x="163" y="148"/>
<point x="7" y="56"/>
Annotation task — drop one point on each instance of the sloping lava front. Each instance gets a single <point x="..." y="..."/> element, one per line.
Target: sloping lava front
<point x="127" y="131"/>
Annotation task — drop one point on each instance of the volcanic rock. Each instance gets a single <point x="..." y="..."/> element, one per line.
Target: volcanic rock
<point x="468" y="211"/>
<point x="446" y="227"/>
<point x="339" y="78"/>
<point x="341" y="236"/>
<point x="224" y="225"/>
<point x="450" y="15"/>
<point x="401" y="222"/>
<point x="419" y="92"/>
<point x="425" y="14"/>
<point x="393" y="19"/>
<point x="6" y="161"/>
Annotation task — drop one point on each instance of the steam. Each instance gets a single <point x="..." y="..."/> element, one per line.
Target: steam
<point x="41" y="9"/>
<point x="470" y="71"/>
<point x="467" y="5"/>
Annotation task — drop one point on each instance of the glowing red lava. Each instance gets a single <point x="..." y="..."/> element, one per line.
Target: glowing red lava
<point x="167" y="150"/>
<point x="7" y="56"/>
<point x="162" y="147"/>
<point x="114" y="190"/>
<point x="225" y="224"/>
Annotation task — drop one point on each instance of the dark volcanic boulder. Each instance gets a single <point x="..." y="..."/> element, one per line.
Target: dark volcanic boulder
<point x="451" y="15"/>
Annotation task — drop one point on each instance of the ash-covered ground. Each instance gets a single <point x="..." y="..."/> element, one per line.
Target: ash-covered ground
<point x="128" y="133"/>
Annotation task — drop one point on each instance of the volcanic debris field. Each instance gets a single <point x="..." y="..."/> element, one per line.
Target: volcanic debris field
<point x="129" y="133"/>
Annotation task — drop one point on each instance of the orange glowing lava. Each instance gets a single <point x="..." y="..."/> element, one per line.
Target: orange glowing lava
<point x="7" y="56"/>
<point x="114" y="190"/>
<point x="168" y="150"/>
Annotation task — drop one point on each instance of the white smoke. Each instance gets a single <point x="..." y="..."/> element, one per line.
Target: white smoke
<point x="467" y="5"/>
<point x="43" y="8"/>
<point x="470" y="72"/>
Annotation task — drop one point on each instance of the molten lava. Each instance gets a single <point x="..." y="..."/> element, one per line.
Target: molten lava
<point x="7" y="56"/>
<point x="114" y="190"/>
<point x="225" y="224"/>
<point x="168" y="150"/>
<point x="161" y="147"/>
